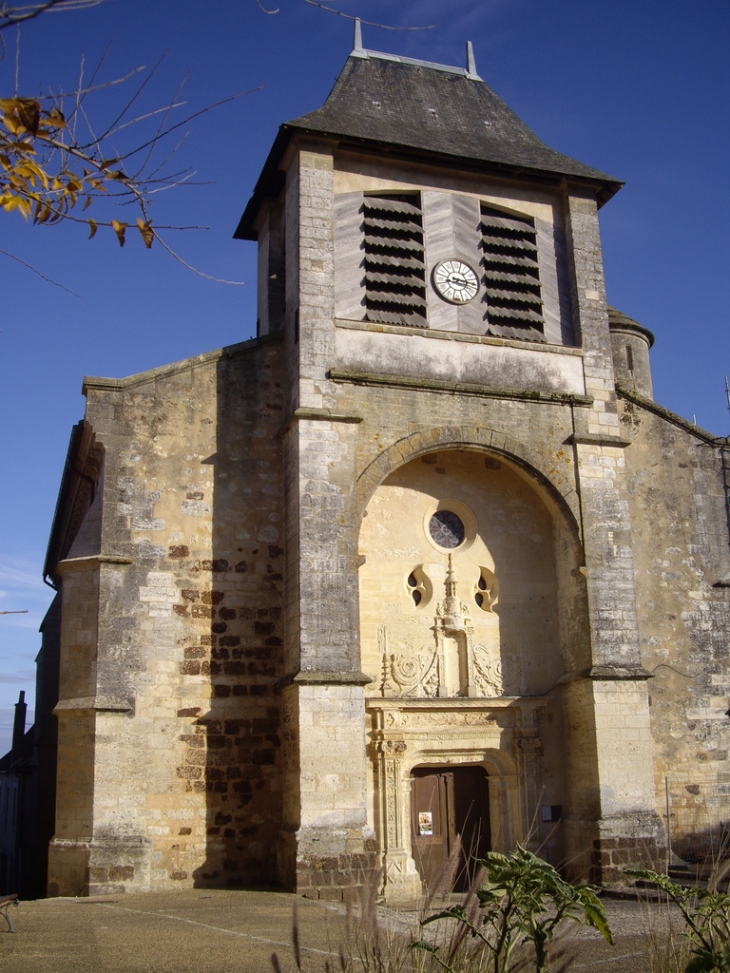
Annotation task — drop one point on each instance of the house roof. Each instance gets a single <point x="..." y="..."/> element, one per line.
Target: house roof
<point x="423" y="109"/>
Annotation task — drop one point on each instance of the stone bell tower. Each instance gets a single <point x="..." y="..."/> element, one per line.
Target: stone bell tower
<point x="435" y="272"/>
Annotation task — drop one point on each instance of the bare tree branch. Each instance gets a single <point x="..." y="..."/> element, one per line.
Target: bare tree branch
<point x="140" y="88"/>
<point x="198" y="273"/>
<point x="35" y="270"/>
<point x="12" y="15"/>
<point x="185" y="121"/>
<point x="368" y="23"/>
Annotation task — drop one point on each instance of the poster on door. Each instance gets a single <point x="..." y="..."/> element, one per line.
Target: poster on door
<point x="425" y="823"/>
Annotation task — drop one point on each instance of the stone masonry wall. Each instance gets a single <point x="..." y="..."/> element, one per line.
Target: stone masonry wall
<point x="187" y="785"/>
<point x="680" y="533"/>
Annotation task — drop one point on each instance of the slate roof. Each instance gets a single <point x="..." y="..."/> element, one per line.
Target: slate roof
<point x="425" y="109"/>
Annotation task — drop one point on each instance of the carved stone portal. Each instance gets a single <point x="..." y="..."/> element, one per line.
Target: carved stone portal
<point x="498" y="734"/>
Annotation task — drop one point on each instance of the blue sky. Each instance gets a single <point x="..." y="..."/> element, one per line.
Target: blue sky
<point x="638" y="90"/>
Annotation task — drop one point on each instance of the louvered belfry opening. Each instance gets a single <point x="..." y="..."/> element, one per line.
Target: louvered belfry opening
<point x="395" y="267"/>
<point x="511" y="276"/>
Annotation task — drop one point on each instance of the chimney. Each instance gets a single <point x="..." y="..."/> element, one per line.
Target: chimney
<point x="19" y="725"/>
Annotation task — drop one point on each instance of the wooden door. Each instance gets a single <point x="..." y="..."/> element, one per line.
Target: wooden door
<point x="431" y="839"/>
<point x="471" y="820"/>
<point x="448" y="804"/>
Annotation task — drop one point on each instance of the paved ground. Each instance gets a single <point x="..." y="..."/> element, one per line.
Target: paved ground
<point x="206" y="931"/>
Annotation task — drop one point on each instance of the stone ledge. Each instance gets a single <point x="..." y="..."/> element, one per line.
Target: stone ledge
<point x="613" y="672"/>
<point x="91" y="561"/>
<point x="93" y="704"/>
<point x="457" y="388"/>
<point x="98" y="383"/>
<point x="325" y="677"/>
<point x="457" y="703"/>
<point x="320" y="415"/>
<point x="326" y="414"/>
<point x="596" y="439"/>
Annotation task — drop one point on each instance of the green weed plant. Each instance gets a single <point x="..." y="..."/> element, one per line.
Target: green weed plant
<point x="706" y="916"/>
<point x="521" y="901"/>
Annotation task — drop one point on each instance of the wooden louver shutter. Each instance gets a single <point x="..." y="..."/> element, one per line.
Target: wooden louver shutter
<point x="511" y="276"/>
<point x="395" y="271"/>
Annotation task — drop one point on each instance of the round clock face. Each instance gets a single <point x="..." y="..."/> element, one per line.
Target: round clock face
<point x="455" y="281"/>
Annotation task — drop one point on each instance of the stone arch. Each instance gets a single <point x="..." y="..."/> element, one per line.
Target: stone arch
<point x="552" y="490"/>
<point x="553" y="484"/>
<point x="497" y="763"/>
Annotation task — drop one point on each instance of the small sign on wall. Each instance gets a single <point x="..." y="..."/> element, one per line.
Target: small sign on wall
<point x="425" y="823"/>
<point x="552" y="812"/>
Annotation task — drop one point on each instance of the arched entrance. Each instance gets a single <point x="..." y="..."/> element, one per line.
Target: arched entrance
<point x="469" y="607"/>
<point x="449" y="817"/>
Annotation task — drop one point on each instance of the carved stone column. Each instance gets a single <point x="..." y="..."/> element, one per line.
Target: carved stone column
<point x="506" y="822"/>
<point x="528" y="747"/>
<point x="400" y="876"/>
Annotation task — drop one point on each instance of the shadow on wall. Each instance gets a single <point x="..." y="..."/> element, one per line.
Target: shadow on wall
<point x="233" y="747"/>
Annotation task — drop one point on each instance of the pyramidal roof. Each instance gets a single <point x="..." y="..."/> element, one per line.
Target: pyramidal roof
<point x="406" y="106"/>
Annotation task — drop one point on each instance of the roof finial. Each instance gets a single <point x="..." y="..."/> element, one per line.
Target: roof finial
<point x="357" y="45"/>
<point x="471" y="64"/>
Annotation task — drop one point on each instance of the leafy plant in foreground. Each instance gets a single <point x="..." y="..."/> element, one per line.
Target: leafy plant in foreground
<point x="520" y="900"/>
<point x="706" y="913"/>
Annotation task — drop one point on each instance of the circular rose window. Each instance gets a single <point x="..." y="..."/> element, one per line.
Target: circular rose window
<point x="446" y="529"/>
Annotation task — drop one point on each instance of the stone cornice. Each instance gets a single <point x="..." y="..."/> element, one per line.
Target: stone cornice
<point x="480" y="339"/>
<point x="457" y="388"/>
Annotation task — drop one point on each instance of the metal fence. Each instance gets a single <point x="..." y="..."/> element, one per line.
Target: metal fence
<point x="697" y="813"/>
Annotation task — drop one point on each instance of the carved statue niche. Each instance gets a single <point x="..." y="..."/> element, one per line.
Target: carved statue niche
<point x="457" y="666"/>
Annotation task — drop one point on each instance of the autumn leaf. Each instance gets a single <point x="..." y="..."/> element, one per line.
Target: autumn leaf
<point x="119" y="229"/>
<point x="20" y="113"/>
<point x="92" y="229"/>
<point x="55" y="115"/>
<point x="148" y="234"/>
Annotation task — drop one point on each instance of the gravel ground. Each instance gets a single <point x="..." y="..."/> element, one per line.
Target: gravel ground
<point x="211" y="931"/>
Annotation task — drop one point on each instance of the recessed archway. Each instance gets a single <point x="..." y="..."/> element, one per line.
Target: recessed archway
<point x="460" y="525"/>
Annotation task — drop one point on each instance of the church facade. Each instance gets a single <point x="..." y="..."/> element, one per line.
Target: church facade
<point x="422" y="562"/>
